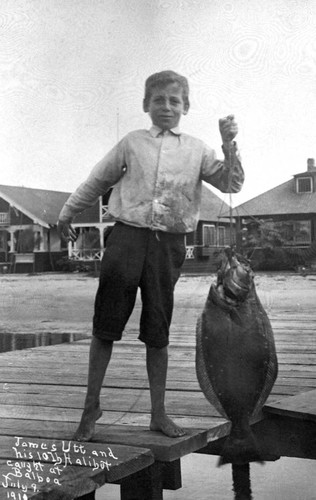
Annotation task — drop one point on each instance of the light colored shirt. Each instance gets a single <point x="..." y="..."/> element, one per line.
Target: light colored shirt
<point x="157" y="180"/>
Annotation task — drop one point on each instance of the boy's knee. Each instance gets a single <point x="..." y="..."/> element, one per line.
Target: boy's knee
<point x="151" y="348"/>
<point x="103" y="342"/>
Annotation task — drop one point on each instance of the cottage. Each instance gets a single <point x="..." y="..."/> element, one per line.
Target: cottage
<point x="28" y="233"/>
<point x="281" y="221"/>
<point x="29" y="240"/>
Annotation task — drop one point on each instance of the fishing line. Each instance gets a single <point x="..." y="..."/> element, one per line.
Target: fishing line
<point x="230" y="177"/>
<point x="230" y="200"/>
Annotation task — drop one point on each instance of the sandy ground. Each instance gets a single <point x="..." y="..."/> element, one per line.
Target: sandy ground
<point x="63" y="303"/>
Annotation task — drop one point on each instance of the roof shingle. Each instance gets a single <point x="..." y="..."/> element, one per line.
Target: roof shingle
<point x="281" y="200"/>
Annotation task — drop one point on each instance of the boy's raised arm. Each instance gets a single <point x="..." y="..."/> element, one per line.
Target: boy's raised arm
<point x="228" y="128"/>
<point x="228" y="175"/>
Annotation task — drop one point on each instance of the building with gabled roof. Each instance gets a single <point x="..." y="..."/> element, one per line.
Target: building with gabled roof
<point x="28" y="230"/>
<point x="39" y="205"/>
<point x="290" y="209"/>
<point x="28" y="227"/>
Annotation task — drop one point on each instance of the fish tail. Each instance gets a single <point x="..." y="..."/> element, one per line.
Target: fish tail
<point x="240" y="448"/>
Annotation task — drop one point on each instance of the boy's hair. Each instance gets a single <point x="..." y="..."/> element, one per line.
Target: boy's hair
<point x="162" y="79"/>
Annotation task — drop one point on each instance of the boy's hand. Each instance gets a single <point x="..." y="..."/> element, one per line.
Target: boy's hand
<point x="65" y="231"/>
<point x="228" y="128"/>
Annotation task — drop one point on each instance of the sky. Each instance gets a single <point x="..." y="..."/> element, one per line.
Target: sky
<point x="72" y="76"/>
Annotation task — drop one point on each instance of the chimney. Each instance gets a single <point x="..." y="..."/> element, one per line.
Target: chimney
<point x="311" y="165"/>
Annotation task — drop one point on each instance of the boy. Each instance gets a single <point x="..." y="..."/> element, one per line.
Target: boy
<point x="156" y="177"/>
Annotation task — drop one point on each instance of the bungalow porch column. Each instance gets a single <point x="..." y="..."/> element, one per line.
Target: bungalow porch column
<point x="69" y="249"/>
<point x="42" y="242"/>
<point x="11" y="241"/>
<point x="101" y="235"/>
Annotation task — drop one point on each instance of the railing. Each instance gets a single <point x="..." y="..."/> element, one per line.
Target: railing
<point x="105" y="214"/>
<point x="90" y="254"/>
<point x="189" y="252"/>
<point x="4" y="218"/>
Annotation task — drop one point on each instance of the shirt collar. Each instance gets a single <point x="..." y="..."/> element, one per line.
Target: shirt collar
<point x="155" y="131"/>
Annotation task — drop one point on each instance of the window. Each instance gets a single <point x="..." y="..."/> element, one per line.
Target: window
<point x="304" y="185"/>
<point x="295" y="232"/>
<point x="209" y="235"/>
<point x="302" y="232"/>
<point x="221" y="236"/>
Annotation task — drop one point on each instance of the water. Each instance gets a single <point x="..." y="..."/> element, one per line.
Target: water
<point x="18" y="341"/>
<point x="286" y="479"/>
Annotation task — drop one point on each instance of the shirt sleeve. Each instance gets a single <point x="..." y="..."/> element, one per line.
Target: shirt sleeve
<point x="228" y="175"/>
<point x="103" y="176"/>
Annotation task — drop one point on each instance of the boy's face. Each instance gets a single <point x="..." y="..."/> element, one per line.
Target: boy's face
<point x="166" y="105"/>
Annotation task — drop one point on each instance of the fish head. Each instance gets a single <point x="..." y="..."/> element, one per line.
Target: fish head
<point x="235" y="276"/>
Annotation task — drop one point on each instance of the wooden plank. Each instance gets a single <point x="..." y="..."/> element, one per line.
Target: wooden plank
<point x="79" y="348"/>
<point x="124" y="400"/>
<point x="54" y="367"/>
<point x="178" y="358"/>
<point x="108" y="418"/>
<point x="138" y="400"/>
<point x="287" y="436"/>
<point x="66" y="468"/>
<point x="121" y="400"/>
<point x="13" y="382"/>
<point x="131" y="390"/>
<point x="187" y="352"/>
<point x="136" y="378"/>
<point x="23" y="358"/>
<point x="299" y="406"/>
<point x="69" y="486"/>
<point x="164" y="448"/>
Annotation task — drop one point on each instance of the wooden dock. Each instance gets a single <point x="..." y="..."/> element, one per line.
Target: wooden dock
<point x="42" y="395"/>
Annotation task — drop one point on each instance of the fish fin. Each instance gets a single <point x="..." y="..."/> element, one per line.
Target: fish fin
<point x="240" y="450"/>
<point x="272" y="368"/>
<point x="201" y="372"/>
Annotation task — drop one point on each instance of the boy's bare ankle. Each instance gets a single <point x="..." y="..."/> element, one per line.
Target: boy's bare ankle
<point x="161" y="422"/>
<point x="86" y="427"/>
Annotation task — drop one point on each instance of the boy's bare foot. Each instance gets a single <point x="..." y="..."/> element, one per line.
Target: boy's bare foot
<point x="164" y="424"/>
<point x="85" y="430"/>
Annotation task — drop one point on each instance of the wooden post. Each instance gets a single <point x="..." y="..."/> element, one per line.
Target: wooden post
<point x="171" y="475"/>
<point x="150" y="483"/>
<point x="144" y="485"/>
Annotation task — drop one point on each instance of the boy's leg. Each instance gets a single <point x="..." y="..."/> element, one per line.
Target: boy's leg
<point x="99" y="358"/>
<point x="165" y="256"/>
<point x="120" y="270"/>
<point x="157" y="365"/>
